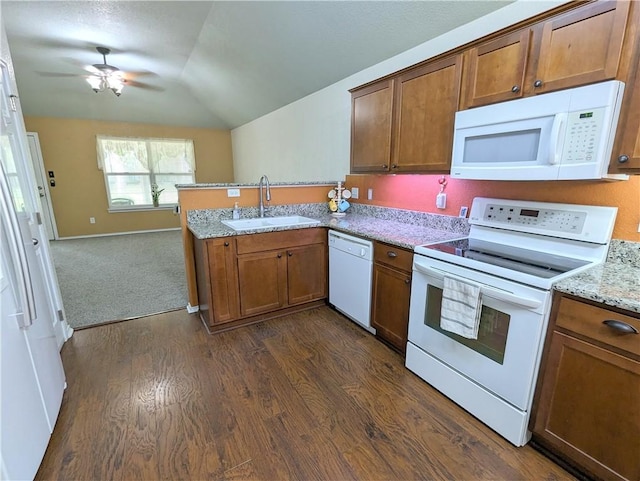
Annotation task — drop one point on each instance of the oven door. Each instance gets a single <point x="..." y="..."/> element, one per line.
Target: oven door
<point x="505" y="357"/>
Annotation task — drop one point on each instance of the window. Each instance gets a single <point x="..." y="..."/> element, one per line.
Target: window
<point x="132" y="166"/>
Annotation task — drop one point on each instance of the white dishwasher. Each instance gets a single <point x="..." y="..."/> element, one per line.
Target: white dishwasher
<point x="350" y="274"/>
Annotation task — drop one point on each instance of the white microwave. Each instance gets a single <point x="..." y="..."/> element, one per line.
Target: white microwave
<point x="556" y="136"/>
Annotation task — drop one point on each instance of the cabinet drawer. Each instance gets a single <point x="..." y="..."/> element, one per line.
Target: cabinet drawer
<point x="280" y="240"/>
<point x="587" y="320"/>
<point x="395" y="257"/>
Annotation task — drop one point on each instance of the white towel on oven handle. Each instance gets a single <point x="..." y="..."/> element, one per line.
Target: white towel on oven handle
<point x="461" y="307"/>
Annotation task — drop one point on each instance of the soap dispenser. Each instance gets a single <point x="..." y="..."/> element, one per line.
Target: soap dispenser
<point x="236" y="211"/>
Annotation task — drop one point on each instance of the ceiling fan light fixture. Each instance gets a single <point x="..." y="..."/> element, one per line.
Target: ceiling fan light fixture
<point x="95" y="82"/>
<point x="106" y="77"/>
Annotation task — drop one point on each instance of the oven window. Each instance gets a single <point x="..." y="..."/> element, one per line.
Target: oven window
<point x="492" y="333"/>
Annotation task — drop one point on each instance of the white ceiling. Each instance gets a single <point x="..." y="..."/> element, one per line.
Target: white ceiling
<point x="209" y="64"/>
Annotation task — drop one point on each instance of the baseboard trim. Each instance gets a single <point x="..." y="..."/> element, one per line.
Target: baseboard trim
<point x="118" y="233"/>
<point x="191" y="309"/>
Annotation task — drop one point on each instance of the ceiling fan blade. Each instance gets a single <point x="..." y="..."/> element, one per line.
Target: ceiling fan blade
<point x="141" y="85"/>
<point x="58" y="74"/>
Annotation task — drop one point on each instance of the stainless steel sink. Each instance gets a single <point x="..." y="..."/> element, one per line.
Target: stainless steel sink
<point x="270" y="222"/>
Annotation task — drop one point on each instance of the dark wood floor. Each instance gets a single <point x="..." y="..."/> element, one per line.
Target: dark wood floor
<point x="308" y="396"/>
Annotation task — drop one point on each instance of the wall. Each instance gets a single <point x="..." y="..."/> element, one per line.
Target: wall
<point x="309" y="140"/>
<point x="69" y="149"/>
<point x="418" y="192"/>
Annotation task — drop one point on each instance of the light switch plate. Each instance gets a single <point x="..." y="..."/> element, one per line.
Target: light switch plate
<point x="370" y="194"/>
<point x="233" y="192"/>
<point x="355" y="192"/>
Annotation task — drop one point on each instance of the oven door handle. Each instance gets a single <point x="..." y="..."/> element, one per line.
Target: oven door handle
<point x="486" y="290"/>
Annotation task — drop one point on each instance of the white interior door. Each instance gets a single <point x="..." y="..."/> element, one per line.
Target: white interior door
<point x="48" y="218"/>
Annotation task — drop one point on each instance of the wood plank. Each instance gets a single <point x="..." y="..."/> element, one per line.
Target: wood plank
<point x="306" y="396"/>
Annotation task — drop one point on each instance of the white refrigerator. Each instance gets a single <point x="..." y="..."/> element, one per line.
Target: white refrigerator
<point x="32" y="378"/>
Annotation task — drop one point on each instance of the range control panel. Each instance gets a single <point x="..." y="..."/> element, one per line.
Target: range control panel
<point x="589" y="223"/>
<point x="546" y="219"/>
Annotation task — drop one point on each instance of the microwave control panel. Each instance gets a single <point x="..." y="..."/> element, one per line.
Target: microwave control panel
<point x="544" y="219"/>
<point x="582" y="137"/>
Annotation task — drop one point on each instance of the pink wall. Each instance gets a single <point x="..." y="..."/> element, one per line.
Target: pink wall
<point x="418" y="192"/>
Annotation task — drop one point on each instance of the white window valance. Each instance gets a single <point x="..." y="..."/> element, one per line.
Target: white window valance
<point x="132" y="154"/>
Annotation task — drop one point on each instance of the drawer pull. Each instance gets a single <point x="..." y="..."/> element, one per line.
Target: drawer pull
<point x="620" y="326"/>
<point x="392" y="254"/>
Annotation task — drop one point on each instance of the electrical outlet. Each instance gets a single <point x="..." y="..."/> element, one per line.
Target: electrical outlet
<point x="463" y="211"/>
<point x="370" y="194"/>
<point x="92" y="220"/>
<point x="233" y="192"/>
<point x="355" y="192"/>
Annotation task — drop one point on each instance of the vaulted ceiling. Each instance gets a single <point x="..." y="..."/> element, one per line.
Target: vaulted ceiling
<point x="209" y="63"/>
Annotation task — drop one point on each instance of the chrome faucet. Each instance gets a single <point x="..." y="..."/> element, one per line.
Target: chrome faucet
<point x="264" y="181"/>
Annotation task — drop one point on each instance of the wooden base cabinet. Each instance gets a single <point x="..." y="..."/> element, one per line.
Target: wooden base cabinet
<point x="217" y="279"/>
<point x="391" y="293"/>
<point x="587" y="407"/>
<point x="252" y="277"/>
<point x="281" y="269"/>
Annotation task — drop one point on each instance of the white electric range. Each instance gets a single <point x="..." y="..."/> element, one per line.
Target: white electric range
<point x="515" y="252"/>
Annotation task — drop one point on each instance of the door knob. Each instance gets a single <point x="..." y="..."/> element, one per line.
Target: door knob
<point x="35" y="241"/>
<point x="623" y="158"/>
<point x="515" y="89"/>
<point x="537" y="83"/>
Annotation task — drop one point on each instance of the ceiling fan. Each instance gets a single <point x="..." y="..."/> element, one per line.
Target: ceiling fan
<point x="106" y="76"/>
<point x="103" y="77"/>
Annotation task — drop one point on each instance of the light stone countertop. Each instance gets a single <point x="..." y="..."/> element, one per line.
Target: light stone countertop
<point x="614" y="283"/>
<point x="409" y="230"/>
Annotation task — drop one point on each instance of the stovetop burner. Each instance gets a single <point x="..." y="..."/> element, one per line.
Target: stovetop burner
<point x="527" y="261"/>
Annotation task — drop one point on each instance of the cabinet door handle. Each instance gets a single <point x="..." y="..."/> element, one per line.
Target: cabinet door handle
<point x="515" y="89"/>
<point x="384" y="166"/>
<point x="279" y="255"/>
<point x="537" y="83"/>
<point x="289" y="253"/>
<point x="226" y="244"/>
<point x="392" y="254"/>
<point x="407" y="281"/>
<point x="623" y="159"/>
<point x="394" y="166"/>
<point x="620" y="326"/>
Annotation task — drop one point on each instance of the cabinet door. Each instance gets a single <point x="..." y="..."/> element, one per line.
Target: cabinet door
<point x="626" y="151"/>
<point x="495" y="70"/>
<point x="223" y="279"/>
<point x="589" y="408"/>
<point x="390" y="305"/>
<point x="262" y="280"/>
<point x="426" y="100"/>
<point x="371" y="109"/>
<point x="580" y="47"/>
<point x="306" y="273"/>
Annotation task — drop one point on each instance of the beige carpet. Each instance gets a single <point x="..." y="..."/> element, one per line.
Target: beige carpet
<point x="104" y="279"/>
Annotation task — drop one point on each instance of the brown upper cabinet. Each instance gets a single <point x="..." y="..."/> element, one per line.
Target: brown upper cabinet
<point x="579" y="47"/>
<point x="371" y="116"/>
<point x="405" y="124"/>
<point x="425" y="101"/>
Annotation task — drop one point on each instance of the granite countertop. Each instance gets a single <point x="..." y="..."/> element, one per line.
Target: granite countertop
<point x="368" y="223"/>
<point x="615" y="283"/>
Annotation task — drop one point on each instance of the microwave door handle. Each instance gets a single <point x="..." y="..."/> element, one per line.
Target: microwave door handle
<point x="556" y="131"/>
<point x="486" y="290"/>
